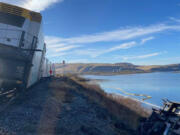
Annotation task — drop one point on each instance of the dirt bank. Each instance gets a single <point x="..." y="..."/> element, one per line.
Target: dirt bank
<point x="67" y="106"/>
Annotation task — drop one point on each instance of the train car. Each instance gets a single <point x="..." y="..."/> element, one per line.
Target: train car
<point x="53" y="69"/>
<point x="22" y="47"/>
<point x="48" y="69"/>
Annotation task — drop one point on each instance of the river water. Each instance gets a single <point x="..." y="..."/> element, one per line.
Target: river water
<point x="157" y="85"/>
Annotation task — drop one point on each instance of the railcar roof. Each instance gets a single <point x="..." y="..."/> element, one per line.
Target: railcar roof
<point x="19" y="11"/>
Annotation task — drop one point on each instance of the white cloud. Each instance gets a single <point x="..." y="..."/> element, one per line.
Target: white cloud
<point x="56" y="48"/>
<point x="66" y="48"/>
<point x="117" y="35"/>
<point x="174" y="19"/>
<point x="52" y="40"/>
<point x="94" y="52"/>
<point x="35" y="5"/>
<point x="142" y="56"/>
<point x="122" y="46"/>
<point x="144" y="40"/>
<point x="53" y="55"/>
<point x="59" y="44"/>
<point x="118" y="47"/>
<point x="59" y="50"/>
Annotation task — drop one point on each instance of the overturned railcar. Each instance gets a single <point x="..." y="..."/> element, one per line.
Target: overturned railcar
<point x="48" y="68"/>
<point x="165" y="121"/>
<point x="22" y="47"/>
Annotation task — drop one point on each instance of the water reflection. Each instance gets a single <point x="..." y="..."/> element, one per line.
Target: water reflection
<point x="157" y="85"/>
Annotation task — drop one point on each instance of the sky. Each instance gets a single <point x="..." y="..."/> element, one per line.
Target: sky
<point x="142" y="32"/>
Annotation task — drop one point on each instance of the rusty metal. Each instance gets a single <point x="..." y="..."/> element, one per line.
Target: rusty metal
<point x="165" y="121"/>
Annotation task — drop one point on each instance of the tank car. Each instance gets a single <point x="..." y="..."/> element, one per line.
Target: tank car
<point x="22" y="48"/>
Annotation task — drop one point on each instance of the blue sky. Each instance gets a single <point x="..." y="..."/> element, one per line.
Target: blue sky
<point x="142" y="32"/>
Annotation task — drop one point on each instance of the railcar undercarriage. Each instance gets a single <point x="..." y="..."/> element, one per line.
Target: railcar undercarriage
<point x="165" y="121"/>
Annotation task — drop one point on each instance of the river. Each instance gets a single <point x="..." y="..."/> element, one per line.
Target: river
<point x="157" y="85"/>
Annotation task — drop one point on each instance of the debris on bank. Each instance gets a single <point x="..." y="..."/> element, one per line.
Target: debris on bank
<point x="165" y="121"/>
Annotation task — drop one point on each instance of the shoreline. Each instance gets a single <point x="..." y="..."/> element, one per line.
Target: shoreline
<point x="115" y="74"/>
<point x="114" y="69"/>
<point x="117" y="95"/>
<point x="96" y="82"/>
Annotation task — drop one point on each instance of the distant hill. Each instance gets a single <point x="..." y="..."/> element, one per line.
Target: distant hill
<point x="110" y="69"/>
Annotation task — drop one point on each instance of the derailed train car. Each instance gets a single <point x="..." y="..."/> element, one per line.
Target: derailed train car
<point x="22" y="48"/>
<point x="165" y="121"/>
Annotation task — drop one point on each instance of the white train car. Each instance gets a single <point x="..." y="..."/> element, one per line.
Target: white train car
<point x="22" y="47"/>
<point x="48" y="69"/>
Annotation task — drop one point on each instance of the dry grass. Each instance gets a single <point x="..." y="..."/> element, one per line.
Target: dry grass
<point x="147" y="68"/>
<point x="128" y="111"/>
<point x="125" y="111"/>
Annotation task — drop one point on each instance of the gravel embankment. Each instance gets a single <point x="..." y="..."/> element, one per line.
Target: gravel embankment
<point x="57" y="106"/>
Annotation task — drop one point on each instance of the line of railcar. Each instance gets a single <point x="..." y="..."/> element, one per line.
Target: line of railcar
<point x="22" y="48"/>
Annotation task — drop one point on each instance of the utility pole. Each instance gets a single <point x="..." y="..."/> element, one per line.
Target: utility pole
<point x="63" y="62"/>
